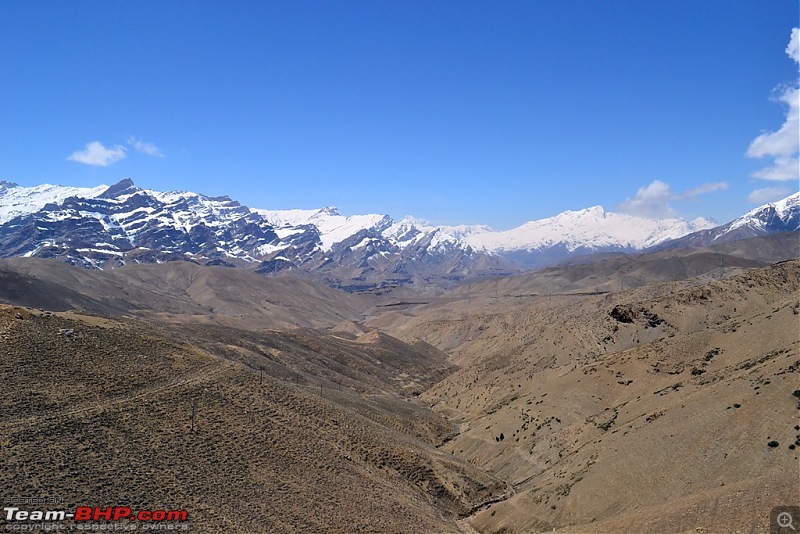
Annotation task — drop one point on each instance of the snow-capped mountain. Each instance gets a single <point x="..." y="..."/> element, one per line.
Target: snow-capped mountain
<point x="772" y="218"/>
<point x="332" y="227"/>
<point x="781" y="216"/>
<point x="105" y="227"/>
<point x="365" y="248"/>
<point x="16" y="200"/>
<point x="588" y="230"/>
<point x="108" y="224"/>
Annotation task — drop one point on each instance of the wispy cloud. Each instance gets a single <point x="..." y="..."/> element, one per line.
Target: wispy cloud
<point x="146" y="148"/>
<point x="97" y="154"/>
<point x="782" y="170"/>
<point x="653" y="200"/>
<point x="692" y="194"/>
<point x="782" y="145"/>
<point x="768" y="194"/>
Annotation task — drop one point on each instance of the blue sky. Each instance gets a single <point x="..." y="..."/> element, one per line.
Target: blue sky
<point x="455" y="111"/>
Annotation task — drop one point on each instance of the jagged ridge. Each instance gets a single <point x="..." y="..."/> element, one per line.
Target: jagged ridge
<point x="105" y="227"/>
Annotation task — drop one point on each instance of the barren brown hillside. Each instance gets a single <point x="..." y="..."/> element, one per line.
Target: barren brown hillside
<point x="532" y="404"/>
<point x="651" y="410"/>
<point x="100" y="414"/>
<point x="178" y="291"/>
<point x="618" y="272"/>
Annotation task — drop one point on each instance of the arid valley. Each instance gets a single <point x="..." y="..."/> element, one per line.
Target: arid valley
<point x="549" y="401"/>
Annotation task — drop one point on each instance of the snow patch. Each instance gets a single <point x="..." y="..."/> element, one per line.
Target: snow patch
<point x="16" y="200"/>
<point x="333" y="227"/>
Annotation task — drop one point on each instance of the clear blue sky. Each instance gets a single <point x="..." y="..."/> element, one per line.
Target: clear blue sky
<point x="491" y="112"/>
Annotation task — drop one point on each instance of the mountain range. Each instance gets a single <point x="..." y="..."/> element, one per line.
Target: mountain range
<point x="539" y="402"/>
<point x="105" y="227"/>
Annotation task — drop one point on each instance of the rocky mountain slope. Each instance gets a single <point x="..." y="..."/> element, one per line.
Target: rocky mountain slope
<point x="106" y="227"/>
<point x="781" y="216"/>
<point x="668" y="408"/>
<point x="109" y="227"/>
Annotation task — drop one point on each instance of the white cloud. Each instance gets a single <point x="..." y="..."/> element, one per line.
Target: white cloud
<point x="793" y="48"/>
<point x="692" y="194"/>
<point x="650" y="201"/>
<point x="97" y="154"/>
<point x="785" y="141"/>
<point x="768" y="194"/>
<point x="146" y="148"/>
<point x="782" y="170"/>
<point x="653" y="200"/>
<point x="782" y="145"/>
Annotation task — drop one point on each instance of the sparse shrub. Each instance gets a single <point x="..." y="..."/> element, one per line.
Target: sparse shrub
<point x="773" y="444"/>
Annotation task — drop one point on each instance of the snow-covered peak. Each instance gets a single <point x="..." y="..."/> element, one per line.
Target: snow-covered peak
<point x="788" y="204"/>
<point x="588" y="228"/>
<point x="123" y="188"/>
<point x="570" y="217"/>
<point x="596" y="211"/>
<point x="757" y="218"/>
<point x="463" y="231"/>
<point x="16" y="200"/>
<point x="194" y="223"/>
<point x="593" y="211"/>
<point x="290" y="217"/>
<point x="781" y="206"/>
<point x="412" y="230"/>
<point x="702" y="223"/>
<point x="410" y="220"/>
<point x="169" y="197"/>
<point x="333" y="227"/>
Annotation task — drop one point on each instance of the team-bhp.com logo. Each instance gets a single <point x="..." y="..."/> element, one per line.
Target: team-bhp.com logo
<point x="82" y="515"/>
<point x="88" y="513"/>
